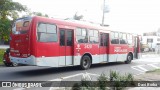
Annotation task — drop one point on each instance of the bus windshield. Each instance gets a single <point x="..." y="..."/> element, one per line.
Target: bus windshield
<point x="21" y="26"/>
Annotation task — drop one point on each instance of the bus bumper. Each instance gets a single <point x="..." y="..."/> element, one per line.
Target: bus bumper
<point x="28" y="61"/>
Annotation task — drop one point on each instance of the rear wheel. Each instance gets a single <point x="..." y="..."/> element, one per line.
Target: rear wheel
<point x="14" y="64"/>
<point x="6" y="59"/>
<point x="129" y="59"/>
<point x="7" y="64"/>
<point x="85" y="62"/>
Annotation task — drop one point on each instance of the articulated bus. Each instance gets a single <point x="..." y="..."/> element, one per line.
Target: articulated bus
<point x="42" y="41"/>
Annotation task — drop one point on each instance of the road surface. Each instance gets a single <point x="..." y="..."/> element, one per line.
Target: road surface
<point x="34" y="73"/>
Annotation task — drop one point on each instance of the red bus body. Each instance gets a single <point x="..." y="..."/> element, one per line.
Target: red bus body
<point x="68" y="43"/>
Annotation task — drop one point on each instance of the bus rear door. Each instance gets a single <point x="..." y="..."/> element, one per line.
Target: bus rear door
<point x="137" y="42"/>
<point x="104" y="47"/>
<point x="66" y="47"/>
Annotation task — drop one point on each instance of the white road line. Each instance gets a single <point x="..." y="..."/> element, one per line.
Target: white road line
<point x="94" y="74"/>
<point x="72" y="76"/>
<point x="152" y="65"/>
<point x="140" y="66"/>
<point x="19" y="89"/>
<point x="135" y="68"/>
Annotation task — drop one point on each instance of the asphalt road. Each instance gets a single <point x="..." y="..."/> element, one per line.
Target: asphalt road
<point x="34" y="73"/>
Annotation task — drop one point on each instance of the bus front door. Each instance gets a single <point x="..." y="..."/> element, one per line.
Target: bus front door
<point x="66" y="47"/>
<point x="103" y="47"/>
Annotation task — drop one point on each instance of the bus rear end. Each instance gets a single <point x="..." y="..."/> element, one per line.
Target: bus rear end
<point x="20" y="41"/>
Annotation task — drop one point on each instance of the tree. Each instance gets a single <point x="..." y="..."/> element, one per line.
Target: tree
<point x="77" y="17"/>
<point x="8" y="8"/>
<point x="40" y="14"/>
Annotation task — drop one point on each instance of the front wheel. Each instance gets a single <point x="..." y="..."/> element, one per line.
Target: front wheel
<point x="129" y="59"/>
<point x="85" y="62"/>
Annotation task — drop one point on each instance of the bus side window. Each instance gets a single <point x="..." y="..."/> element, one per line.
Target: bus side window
<point x="81" y="35"/>
<point x="62" y="38"/>
<point x="69" y="38"/>
<point x="93" y="36"/>
<point x="114" y="38"/>
<point x="101" y="39"/>
<point x="46" y="32"/>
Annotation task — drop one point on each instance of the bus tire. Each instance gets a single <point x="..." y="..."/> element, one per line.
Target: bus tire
<point x="129" y="59"/>
<point x="7" y="64"/>
<point x="85" y="62"/>
<point x="14" y="64"/>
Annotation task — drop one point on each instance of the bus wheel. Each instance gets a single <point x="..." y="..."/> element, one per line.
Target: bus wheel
<point x="85" y="62"/>
<point x="14" y="64"/>
<point x="129" y="59"/>
<point x="7" y="64"/>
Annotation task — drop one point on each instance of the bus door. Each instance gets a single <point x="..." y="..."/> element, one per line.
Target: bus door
<point x="104" y="47"/>
<point x="136" y="48"/>
<point x="66" y="47"/>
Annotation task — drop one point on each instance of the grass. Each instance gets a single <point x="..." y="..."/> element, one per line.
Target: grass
<point x="1" y="56"/>
<point x="156" y="71"/>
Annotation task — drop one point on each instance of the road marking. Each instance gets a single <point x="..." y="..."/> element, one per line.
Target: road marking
<point x="139" y="68"/>
<point x="152" y="65"/>
<point x="134" y="67"/>
<point x="94" y="74"/>
<point x="19" y="89"/>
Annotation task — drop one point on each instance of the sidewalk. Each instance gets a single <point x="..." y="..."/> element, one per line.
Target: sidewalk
<point x="4" y="46"/>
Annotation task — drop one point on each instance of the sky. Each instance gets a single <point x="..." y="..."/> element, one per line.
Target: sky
<point x="135" y="16"/>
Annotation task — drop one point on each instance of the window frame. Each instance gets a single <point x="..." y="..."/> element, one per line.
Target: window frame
<point x="93" y="36"/>
<point x="81" y="34"/>
<point x="37" y="38"/>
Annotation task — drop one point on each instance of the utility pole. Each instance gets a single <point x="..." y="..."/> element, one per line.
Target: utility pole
<point x="105" y="10"/>
<point x="103" y="13"/>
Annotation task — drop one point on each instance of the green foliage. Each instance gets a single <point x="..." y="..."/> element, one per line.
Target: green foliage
<point x="40" y="14"/>
<point x="121" y="80"/>
<point x="102" y="81"/>
<point x="77" y="17"/>
<point x="118" y="82"/>
<point x="11" y="9"/>
<point x="5" y="28"/>
<point x="1" y="55"/>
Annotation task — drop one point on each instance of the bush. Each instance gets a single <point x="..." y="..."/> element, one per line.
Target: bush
<point x="119" y="82"/>
<point x="1" y="55"/>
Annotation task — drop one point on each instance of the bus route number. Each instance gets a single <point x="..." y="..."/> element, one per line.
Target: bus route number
<point x="88" y="46"/>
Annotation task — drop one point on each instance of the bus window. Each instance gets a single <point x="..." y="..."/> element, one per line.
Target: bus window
<point x="21" y="26"/>
<point x="93" y="36"/>
<point x="129" y="39"/>
<point x="113" y="39"/>
<point x="101" y="38"/>
<point x="124" y="39"/>
<point x="104" y="39"/>
<point x="81" y="35"/>
<point x="62" y="38"/>
<point x="46" y="32"/>
<point x="69" y="38"/>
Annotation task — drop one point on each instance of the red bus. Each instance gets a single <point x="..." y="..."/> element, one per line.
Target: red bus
<point x="42" y="41"/>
